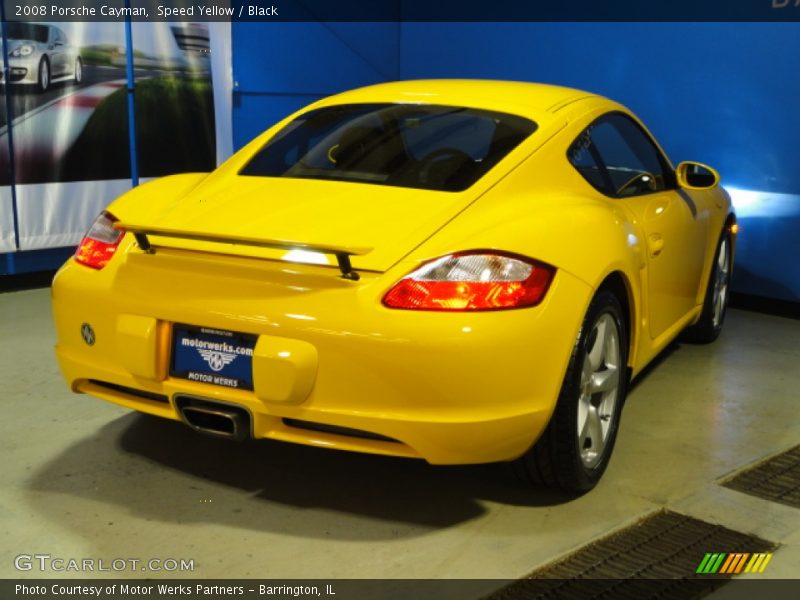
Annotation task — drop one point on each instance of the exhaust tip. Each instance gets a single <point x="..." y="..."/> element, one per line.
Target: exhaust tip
<point x="214" y="418"/>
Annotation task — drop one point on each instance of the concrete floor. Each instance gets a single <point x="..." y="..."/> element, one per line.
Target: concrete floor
<point x="83" y="478"/>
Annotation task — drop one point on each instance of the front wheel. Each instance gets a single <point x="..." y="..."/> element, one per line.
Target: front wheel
<point x="573" y="452"/>
<point x="43" y="80"/>
<point x="715" y="305"/>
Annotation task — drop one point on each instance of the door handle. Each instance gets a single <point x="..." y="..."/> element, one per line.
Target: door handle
<point x="655" y="244"/>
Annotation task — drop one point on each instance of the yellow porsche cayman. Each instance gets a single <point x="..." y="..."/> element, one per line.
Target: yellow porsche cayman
<point x="458" y="271"/>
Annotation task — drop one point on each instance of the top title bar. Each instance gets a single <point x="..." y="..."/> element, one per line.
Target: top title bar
<point x="402" y="10"/>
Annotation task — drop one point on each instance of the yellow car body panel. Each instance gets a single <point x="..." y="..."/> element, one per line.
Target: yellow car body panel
<point x="460" y="387"/>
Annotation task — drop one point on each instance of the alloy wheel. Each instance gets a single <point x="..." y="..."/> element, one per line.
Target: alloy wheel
<point x="600" y="381"/>
<point x="721" y="277"/>
<point x="44" y="75"/>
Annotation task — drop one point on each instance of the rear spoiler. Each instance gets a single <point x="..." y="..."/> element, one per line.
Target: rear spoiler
<point x="342" y="253"/>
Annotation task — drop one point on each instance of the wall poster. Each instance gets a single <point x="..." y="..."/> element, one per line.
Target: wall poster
<point x="68" y="98"/>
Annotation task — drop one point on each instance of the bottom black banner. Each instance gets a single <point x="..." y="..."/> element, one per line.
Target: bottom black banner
<point x="383" y="589"/>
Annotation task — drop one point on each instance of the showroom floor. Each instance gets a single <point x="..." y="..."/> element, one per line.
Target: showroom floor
<point x="86" y="479"/>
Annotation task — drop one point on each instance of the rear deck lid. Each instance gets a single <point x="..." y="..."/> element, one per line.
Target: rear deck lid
<point x="377" y="224"/>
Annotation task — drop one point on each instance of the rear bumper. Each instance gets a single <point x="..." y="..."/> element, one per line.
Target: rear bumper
<point x="439" y="442"/>
<point x="448" y="388"/>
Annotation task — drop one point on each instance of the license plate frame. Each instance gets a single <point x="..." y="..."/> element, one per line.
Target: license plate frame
<point x="217" y="357"/>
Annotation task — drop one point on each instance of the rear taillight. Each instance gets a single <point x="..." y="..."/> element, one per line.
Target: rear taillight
<point x="478" y="280"/>
<point x="99" y="244"/>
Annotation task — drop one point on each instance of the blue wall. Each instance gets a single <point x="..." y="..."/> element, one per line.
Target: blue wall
<point x="720" y="93"/>
<point x="280" y="67"/>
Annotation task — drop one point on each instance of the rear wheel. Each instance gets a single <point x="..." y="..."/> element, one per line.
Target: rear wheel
<point x="78" y="70"/>
<point x="715" y="305"/>
<point x="574" y="450"/>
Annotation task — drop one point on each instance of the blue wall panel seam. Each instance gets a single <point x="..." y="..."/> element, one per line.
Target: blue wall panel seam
<point x="378" y="71"/>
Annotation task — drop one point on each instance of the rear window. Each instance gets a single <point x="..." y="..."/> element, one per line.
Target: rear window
<point x="431" y="147"/>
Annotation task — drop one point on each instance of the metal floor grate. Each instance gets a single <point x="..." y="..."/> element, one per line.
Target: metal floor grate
<point x="656" y="558"/>
<point x="777" y="479"/>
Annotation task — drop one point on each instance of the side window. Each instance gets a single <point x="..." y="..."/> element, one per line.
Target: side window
<point x="583" y="156"/>
<point x="616" y="157"/>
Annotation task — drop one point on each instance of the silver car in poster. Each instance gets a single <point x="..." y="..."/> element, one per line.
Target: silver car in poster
<point x="41" y="55"/>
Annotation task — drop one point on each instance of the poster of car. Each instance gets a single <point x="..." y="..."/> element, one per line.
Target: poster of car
<point x="175" y="129"/>
<point x="68" y="110"/>
<point x="69" y="100"/>
<point x="7" y="237"/>
<point x="7" y="243"/>
<point x="56" y="85"/>
<point x="173" y="104"/>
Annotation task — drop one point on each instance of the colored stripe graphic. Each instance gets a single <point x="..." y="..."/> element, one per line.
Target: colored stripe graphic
<point x="710" y="563"/>
<point x="735" y="563"/>
<point x="758" y="563"/>
<point x="703" y="563"/>
<point x="732" y="564"/>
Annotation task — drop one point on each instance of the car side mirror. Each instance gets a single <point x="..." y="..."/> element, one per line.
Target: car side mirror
<point x="696" y="176"/>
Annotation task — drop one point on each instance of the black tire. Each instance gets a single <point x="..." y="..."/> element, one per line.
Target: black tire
<point x="561" y="458"/>
<point x="43" y="75"/>
<point x="78" y="72"/>
<point x="715" y="304"/>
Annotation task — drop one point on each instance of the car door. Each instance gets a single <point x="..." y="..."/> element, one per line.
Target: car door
<point x="58" y="53"/>
<point x="626" y="165"/>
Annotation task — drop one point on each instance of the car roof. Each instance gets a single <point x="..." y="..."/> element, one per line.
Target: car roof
<point x="529" y="99"/>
